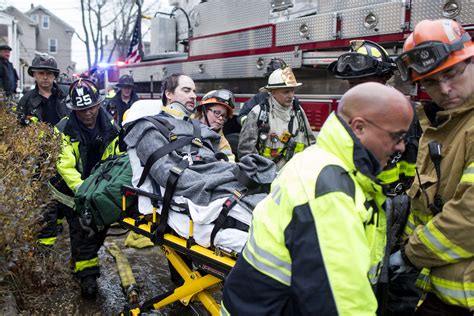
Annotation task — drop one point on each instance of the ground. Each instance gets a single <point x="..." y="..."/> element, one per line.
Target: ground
<point x="149" y="267"/>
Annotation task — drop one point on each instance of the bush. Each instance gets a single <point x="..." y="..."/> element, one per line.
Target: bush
<point x="27" y="161"/>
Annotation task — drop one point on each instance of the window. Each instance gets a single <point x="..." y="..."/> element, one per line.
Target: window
<point x="34" y="17"/>
<point x="45" y="21"/>
<point x="53" y="45"/>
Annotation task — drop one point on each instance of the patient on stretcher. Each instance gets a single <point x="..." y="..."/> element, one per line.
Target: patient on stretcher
<point x="179" y="161"/>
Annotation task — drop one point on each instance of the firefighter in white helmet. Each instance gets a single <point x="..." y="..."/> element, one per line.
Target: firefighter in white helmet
<point x="278" y="127"/>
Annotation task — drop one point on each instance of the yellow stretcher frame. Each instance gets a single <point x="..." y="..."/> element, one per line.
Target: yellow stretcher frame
<point x="196" y="287"/>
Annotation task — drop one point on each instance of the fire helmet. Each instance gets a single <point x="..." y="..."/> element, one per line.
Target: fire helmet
<point x="43" y="62"/>
<point x="282" y="78"/>
<point x="218" y="97"/>
<point x="434" y="46"/>
<point x="126" y="81"/>
<point x="83" y="94"/>
<point x="365" y="58"/>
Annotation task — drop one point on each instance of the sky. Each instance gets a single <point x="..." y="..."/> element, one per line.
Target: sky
<point x="70" y="12"/>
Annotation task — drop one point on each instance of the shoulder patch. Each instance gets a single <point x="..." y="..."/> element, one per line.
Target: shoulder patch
<point x="334" y="178"/>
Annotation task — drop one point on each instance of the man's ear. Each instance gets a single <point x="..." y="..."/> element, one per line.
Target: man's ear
<point x="168" y="94"/>
<point x="357" y="125"/>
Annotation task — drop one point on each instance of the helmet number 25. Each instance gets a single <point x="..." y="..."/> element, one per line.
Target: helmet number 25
<point x="83" y="100"/>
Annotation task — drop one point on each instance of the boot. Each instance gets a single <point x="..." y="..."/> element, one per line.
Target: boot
<point x="89" y="287"/>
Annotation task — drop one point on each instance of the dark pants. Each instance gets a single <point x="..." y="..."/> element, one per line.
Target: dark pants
<point x="433" y="306"/>
<point x="84" y="246"/>
<point x="403" y="295"/>
<point x="54" y="211"/>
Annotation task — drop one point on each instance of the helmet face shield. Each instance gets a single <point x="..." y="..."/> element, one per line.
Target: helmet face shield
<point x="428" y="56"/>
<point x="355" y="61"/>
<point x="219" y="96"/>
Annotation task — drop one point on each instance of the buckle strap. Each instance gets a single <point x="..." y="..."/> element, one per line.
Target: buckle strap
<point x="226" y="207"/>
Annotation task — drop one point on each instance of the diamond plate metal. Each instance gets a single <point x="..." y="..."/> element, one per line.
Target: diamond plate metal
<point x="237" y="67"/>
<point x="391" y="17"/>
<point x="321" y="28"/>
<point x="433" y="9"/>
<point x="325" y="6"/>
<point x="251" y="39"/>
<point x="227" y="15"/>
<point x="141" y="74"/>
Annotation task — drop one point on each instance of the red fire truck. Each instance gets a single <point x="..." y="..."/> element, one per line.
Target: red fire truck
<point x="229" y="43"/>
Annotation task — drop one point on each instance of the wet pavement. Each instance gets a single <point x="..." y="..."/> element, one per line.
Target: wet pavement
<point x="150" y="270"/>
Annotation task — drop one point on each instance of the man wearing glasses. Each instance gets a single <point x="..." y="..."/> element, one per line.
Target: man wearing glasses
<point x="439" y="56"/>
<point x="317" y="241"/>
<point x="278" y="127"/>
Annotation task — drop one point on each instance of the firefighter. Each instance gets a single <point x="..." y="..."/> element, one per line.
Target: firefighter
<point x="8" y="74"/>
<point x="439" y="55"/>
<point x="278" y="127"/>
<point x="274" y="64"/>
<point x="216" y="107"/>
<point x="45" y="103"/>
<point x="124" y="98"/>
<point x="89" y="136"/>
<point x="317" y="240"/>
<point x="367" y="61"/>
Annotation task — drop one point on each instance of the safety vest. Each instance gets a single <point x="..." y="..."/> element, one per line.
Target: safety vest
<point x="336" y="210"/>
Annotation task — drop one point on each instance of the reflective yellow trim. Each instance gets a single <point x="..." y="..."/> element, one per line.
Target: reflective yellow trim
<point x="410" y="225"/>
<point x="440" y="245"/>
<point x="389" y="176"/>
<point x="49" y="241"/>
<point x="267" y="150"/>
<point x="82" y="265"/>
<point x="61" y="197"/>
<point x="468" y="174"/>
<point x="423" y="281"/>
<point x="224" y="311"/>
<point x="454" y="293"/>
<point x="406" y="168"/>
<point x="59" y="221"/>
<point x="299" y="147"/>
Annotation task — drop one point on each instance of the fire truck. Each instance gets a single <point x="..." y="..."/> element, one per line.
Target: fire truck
<point x="229" y="43"/>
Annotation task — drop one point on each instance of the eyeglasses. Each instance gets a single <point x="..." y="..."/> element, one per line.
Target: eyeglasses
<point x="449" y="76"/>
<point x="427" y="56"/>
<point x="219" y="114"/>
<point x="397" y="137"/>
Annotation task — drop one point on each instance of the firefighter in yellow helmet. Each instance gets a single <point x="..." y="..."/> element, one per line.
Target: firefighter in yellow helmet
<point x="439" y="55"/>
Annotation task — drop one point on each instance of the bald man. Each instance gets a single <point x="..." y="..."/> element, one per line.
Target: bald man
<point x="317" y="241"/>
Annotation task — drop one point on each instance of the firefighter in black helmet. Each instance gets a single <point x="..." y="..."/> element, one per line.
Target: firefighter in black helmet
<point x="123" y="99"/>
<point x="367" y="61"/>
<point x="45" y="103"/>
<point x="89" y="136"/>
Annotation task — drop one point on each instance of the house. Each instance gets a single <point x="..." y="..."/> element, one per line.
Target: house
<point x="53" y="37"/>
<point x="9" y="36"/>
<point x="26" y="29"/>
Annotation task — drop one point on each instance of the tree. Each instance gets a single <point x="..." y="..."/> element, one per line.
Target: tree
<point x="101" y="18"/>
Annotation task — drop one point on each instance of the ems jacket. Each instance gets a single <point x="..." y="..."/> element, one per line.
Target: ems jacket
<point x="284" y="126"/>
<point x="30" y="104"/>
<point x="74" y="150"/>
<point x="316" y="242"/>
<point x="442" y="244"/>
<point x="120" y="106"/>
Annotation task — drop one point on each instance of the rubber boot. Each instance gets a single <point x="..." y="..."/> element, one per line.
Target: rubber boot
<point x="89" y="287"/>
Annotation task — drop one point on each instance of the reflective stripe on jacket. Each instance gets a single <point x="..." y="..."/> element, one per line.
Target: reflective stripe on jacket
<point x="319" y="235"/>
<point x="442" y="243"/>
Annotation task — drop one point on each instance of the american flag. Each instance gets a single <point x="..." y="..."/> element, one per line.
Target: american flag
<point x="134" y="54"/>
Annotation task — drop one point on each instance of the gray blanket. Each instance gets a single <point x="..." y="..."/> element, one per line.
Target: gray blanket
<point x="201" y="183"/>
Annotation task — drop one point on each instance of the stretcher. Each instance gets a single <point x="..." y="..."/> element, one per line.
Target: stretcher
<point x="210" y="266"/>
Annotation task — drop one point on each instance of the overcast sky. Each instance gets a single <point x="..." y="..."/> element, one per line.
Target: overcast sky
<point x="70" y="12"/>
